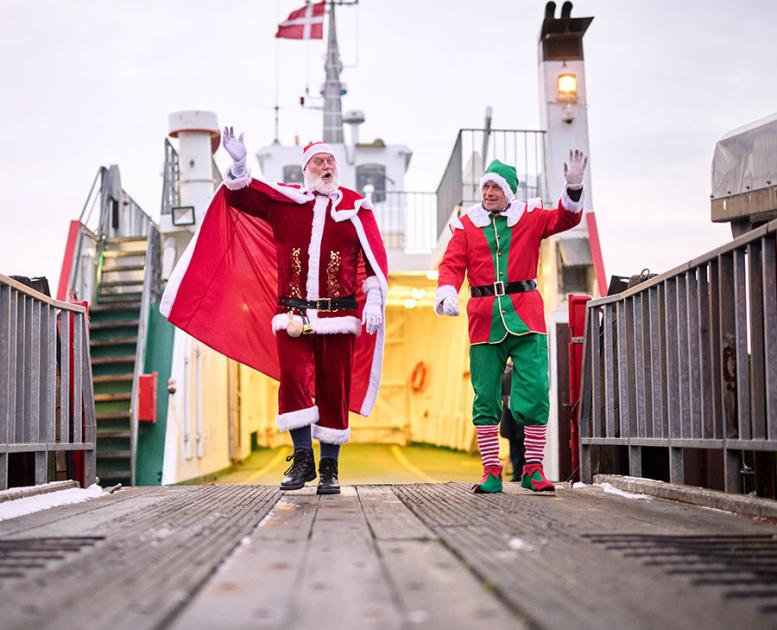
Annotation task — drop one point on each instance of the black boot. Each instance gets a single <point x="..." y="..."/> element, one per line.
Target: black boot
<point x="327" y="483"/>
<point x="302" y="469"/>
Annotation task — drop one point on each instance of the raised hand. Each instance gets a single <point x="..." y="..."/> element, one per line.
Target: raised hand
<point x="233" y="146"/>
<point x="575" y="169"/>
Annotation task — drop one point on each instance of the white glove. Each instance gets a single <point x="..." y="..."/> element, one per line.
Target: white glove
<point x="236" y="149"/>
<point x="573" y="172"/>
<point x="450" y="305"/>
<point x="372" y="315"/>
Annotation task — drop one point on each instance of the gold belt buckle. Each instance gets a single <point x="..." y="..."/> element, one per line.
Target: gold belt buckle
<point x="320" y="305"/>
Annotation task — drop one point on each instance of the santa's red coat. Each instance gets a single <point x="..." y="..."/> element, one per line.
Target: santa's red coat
<point x="224" y="290"/>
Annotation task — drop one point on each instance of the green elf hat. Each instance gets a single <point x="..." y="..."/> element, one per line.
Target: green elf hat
<point x="504" y="176"/>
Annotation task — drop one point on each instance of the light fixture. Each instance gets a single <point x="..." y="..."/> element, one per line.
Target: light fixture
<point x="566" y="88"/>
<point x="182" y="215"/>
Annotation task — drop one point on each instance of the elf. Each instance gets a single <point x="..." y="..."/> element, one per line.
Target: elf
<point x="497" y="244"/>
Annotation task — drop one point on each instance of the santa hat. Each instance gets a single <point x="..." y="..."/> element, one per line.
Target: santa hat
<point x="504" y="176"/>
<point x="313" y="148"/>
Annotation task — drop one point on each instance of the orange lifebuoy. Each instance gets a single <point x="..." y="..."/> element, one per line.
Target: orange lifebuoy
<point x="418" y="378"/>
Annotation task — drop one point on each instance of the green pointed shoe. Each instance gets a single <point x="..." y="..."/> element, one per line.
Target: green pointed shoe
<point x="534" y="479"/>
<point x="490" y="482"/>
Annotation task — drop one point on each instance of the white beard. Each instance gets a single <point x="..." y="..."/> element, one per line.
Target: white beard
<point x="319" y="184"/>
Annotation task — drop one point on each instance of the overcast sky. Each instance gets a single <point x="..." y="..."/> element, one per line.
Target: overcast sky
<point x="91" y="82"/>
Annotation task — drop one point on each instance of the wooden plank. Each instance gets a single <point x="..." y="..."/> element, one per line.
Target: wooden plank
<point x="694" y="359"/>
<point x="639" y="367"/>
<point x="596" y="374"/>
<point x="728" y="350"/>
<point x="94" y="517"/>
<point x="610" y="420"/>
<point x="151" y="561"/>
<point x="757" y="342"/>
<point x="343" y="572"/>
<point x="436" y="591"/>
<point x="573" y="583"/>
<point x="388" y="517"/>
<point x="683" y="428"/>
<point x="716" y="382"/>
<point x="706" y="366"/>
<point x="672" y="365"/>
<point x="742" y="354"/>
<point x="769" y="263"/>
<point x="625" y="382"/>
<point x="255" y="586"/>
<point x="655" y="357"/>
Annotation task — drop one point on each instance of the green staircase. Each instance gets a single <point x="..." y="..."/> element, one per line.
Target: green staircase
<point x="114" y="323"/>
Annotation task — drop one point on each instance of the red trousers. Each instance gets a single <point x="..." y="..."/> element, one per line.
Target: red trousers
<point x="331" y="358"/>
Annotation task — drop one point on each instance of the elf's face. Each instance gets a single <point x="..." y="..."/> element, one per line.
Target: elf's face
<point x="494" y="199"/>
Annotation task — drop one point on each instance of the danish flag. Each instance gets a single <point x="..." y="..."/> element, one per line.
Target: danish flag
<point x="304" y="23"/>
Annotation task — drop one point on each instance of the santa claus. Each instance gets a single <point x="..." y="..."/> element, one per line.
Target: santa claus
<point x="305" y="265"/>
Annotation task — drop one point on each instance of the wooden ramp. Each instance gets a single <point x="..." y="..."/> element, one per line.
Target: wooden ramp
<point x="408" y="556"/>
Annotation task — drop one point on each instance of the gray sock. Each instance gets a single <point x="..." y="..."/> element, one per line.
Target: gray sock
<point x="301" y="438"/>
<point x="330" y="450"/>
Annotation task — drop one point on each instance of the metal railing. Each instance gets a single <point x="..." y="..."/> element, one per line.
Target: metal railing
<point x="152" y="291"/>
<point x="119" y="214"/>
<point x="82" y="284"/>
<point x="474" y="150"/>
<point x="686" y="360"/>
<point x="170" y="192"/>
<point x="407" y="220"/>
<point x="39" y="412"/>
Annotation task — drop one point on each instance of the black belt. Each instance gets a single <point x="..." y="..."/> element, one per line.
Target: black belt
<point x="323" y="304"/>
<point x="502" y="288"/>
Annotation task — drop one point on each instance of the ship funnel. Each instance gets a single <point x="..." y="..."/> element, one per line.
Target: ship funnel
<point x="354" y="118"/>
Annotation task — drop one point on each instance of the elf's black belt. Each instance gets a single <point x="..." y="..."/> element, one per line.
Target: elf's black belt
<point x="323" y="304"/>
<point x="502" y="288"/>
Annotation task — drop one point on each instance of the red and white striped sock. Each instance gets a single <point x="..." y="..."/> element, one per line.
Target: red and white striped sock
<point x="488" y="443"/>
<point x="534" y="442"/>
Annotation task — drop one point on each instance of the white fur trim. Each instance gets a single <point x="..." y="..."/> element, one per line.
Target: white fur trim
<point x="330" y="436"/>
<point x="297" y="195"/>
<point x="369" y="284"/>
<point x="297" y="419"/>
<point x="455" y="224"/>
<point x="444" y="291"/>
<point x="499" y="181"/>
<point x="236" y="183"/>
<point x="337" y="325"/>
<point x="318" y="147"/>
<point x="314" y="253"/>
<point x="480" y="217"/>
<point x="376" y="368"/>
<point x="176" y="277"/>
<point x="322" y="326"/>
<point x="514" y="212"/>
<point x="533" y="204"/>
<point x="281" y="321"/>
<point x="569" y="205"/>
<point x="342" y="215"/>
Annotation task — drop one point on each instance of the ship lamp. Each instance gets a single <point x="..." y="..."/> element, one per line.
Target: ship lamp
<point x="566" y="88"/>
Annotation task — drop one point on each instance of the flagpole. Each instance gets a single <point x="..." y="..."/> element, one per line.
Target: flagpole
<point x="277" y="79"/>
<point x="307" y="59"/>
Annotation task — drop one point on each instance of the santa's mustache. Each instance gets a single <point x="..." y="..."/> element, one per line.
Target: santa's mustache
<point x="326" y="182"/>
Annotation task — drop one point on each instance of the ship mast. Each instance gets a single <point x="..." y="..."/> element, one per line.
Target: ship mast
<point x="333" y="89"/>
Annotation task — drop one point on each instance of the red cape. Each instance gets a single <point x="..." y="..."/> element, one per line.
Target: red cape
<point x="223" y="290"/>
